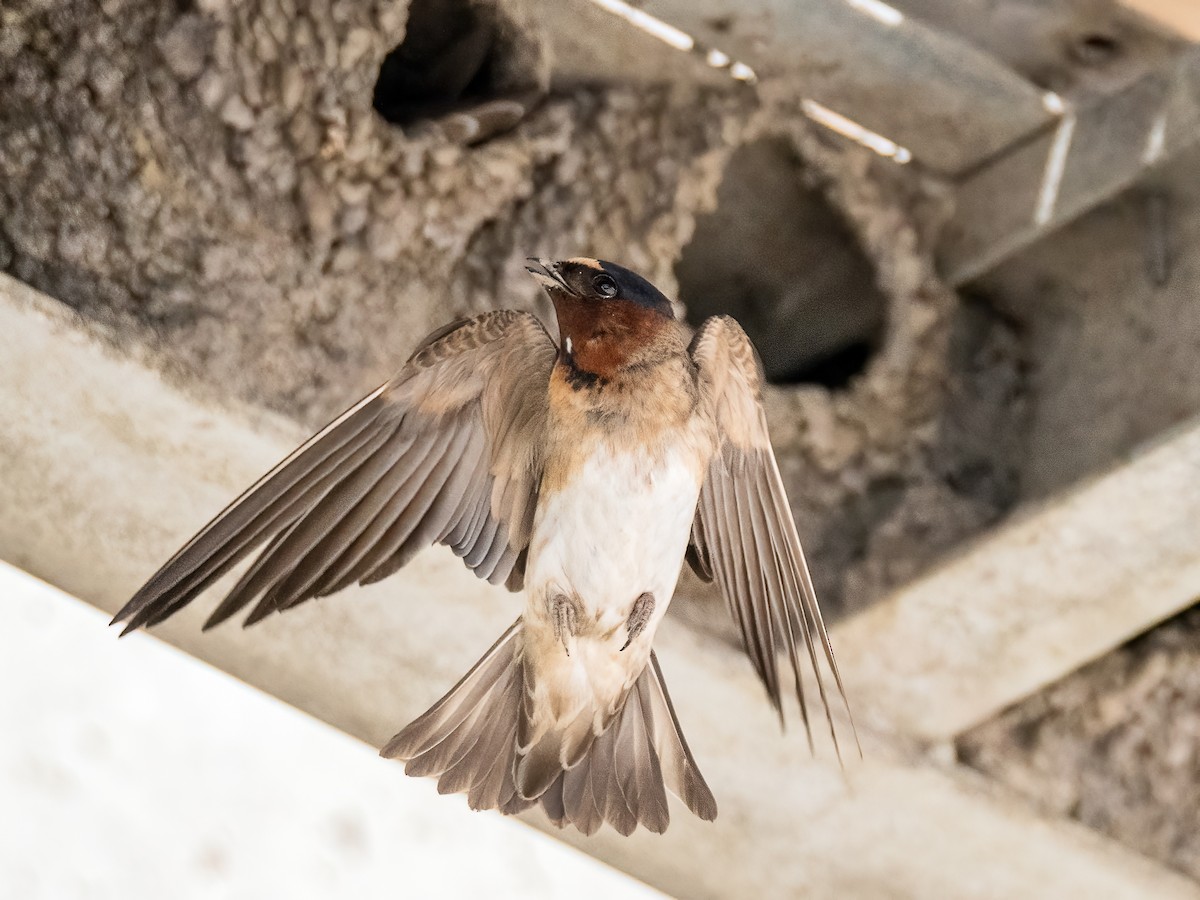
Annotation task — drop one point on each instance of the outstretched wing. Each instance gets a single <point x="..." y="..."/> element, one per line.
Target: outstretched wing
<point x="448" y="452"/>
<point x="743" y="536"/>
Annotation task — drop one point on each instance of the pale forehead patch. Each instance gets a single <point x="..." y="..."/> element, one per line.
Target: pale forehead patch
<point x="587" y="261"/>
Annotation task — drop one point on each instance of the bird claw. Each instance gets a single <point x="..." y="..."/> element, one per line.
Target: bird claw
<point x="564" y="615"/>
<point x="639" y="617"/>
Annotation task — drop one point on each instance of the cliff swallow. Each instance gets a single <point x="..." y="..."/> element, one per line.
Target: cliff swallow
<point x="582" y="474"/>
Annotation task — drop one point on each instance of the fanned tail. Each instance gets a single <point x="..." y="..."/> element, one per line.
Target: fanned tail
<point x="468" y="741"/>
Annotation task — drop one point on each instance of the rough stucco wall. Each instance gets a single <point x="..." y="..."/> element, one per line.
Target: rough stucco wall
<point x="1116" y="745"/>
<point x="216" y="182"/>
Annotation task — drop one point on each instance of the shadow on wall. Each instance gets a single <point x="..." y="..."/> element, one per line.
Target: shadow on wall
<point x="780" y="259"/>
<point x="462" y="65"/>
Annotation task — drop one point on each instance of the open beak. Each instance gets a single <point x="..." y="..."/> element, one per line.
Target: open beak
<point x="545" y="273"/>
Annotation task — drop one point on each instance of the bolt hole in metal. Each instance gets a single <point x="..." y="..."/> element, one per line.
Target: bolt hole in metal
<point x="777" y="256"/>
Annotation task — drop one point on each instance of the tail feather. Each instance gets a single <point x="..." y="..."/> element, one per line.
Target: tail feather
<point x="680" y="772"/>
<point x="643" y="785"/>
<point x="445" y="716"/>
<point x="465" y="739"/>
<point x="469" y="741"/>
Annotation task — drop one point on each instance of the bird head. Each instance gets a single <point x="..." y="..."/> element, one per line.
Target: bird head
<point x="603" y="285"/>
<point x="608" y="316"/>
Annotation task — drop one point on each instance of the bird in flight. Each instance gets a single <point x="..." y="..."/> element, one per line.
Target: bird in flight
<point x="581" y="474"/>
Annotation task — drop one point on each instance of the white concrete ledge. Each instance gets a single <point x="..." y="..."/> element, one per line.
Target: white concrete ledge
<point x="1035" y="600"/>
<point x="104" y="469"/>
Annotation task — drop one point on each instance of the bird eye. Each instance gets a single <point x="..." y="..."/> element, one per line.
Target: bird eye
<point x="604" y="286"/>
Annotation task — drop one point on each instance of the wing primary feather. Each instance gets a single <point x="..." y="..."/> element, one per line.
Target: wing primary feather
<point x="783" y="514"/>
<point x="279" y="557"/>
<point x="438" y="518"/>
<point x="722" y="564"/>
<point x="358" y="500"/>
<point x="385" y="539"/>
<point x="237" y="600"/>
<point x="239" y="545"/>
<point x="774" y="596"/>
<point x="440" y="494"/>
<point x="738" y="593"/>
<point x="273" y="503"/>
<point x="748" y="515"/>
<point x="365" y="551"/>
<point x="809" y="595"/>
<point x="294" y="467"/>
<point x="783" y="587"/>
<point x="492" y="370"/>
<point x="404" y="535"/>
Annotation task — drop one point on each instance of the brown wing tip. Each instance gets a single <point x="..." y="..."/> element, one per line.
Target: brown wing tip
<point x="132" y="607"/>
<point x="393" y="749"/>
<point x="135" y="615"/>
<point x="707" y="811"/>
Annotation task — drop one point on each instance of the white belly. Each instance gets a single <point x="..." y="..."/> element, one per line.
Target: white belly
<point x="618" y="529"/>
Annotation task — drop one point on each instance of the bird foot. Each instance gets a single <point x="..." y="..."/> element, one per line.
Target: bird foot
<point x="564" y="615"/>
<point x="639" y="617"/>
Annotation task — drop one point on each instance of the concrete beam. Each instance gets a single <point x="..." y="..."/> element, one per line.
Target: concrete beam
<point x="1067" y="46"/>
<point x="1093" y="152"/>
<point x="591" y="45"/>
<point x="1035" y="600"/>
<point x="1020" y="170"/>
<point x="118" y="784"/>
<point x="104" y="469"/>
<point x="949" y="103"/>
<point x="1180" y="16"/>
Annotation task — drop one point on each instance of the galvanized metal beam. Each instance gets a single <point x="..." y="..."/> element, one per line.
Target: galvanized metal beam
<point x="104" y="469"/>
